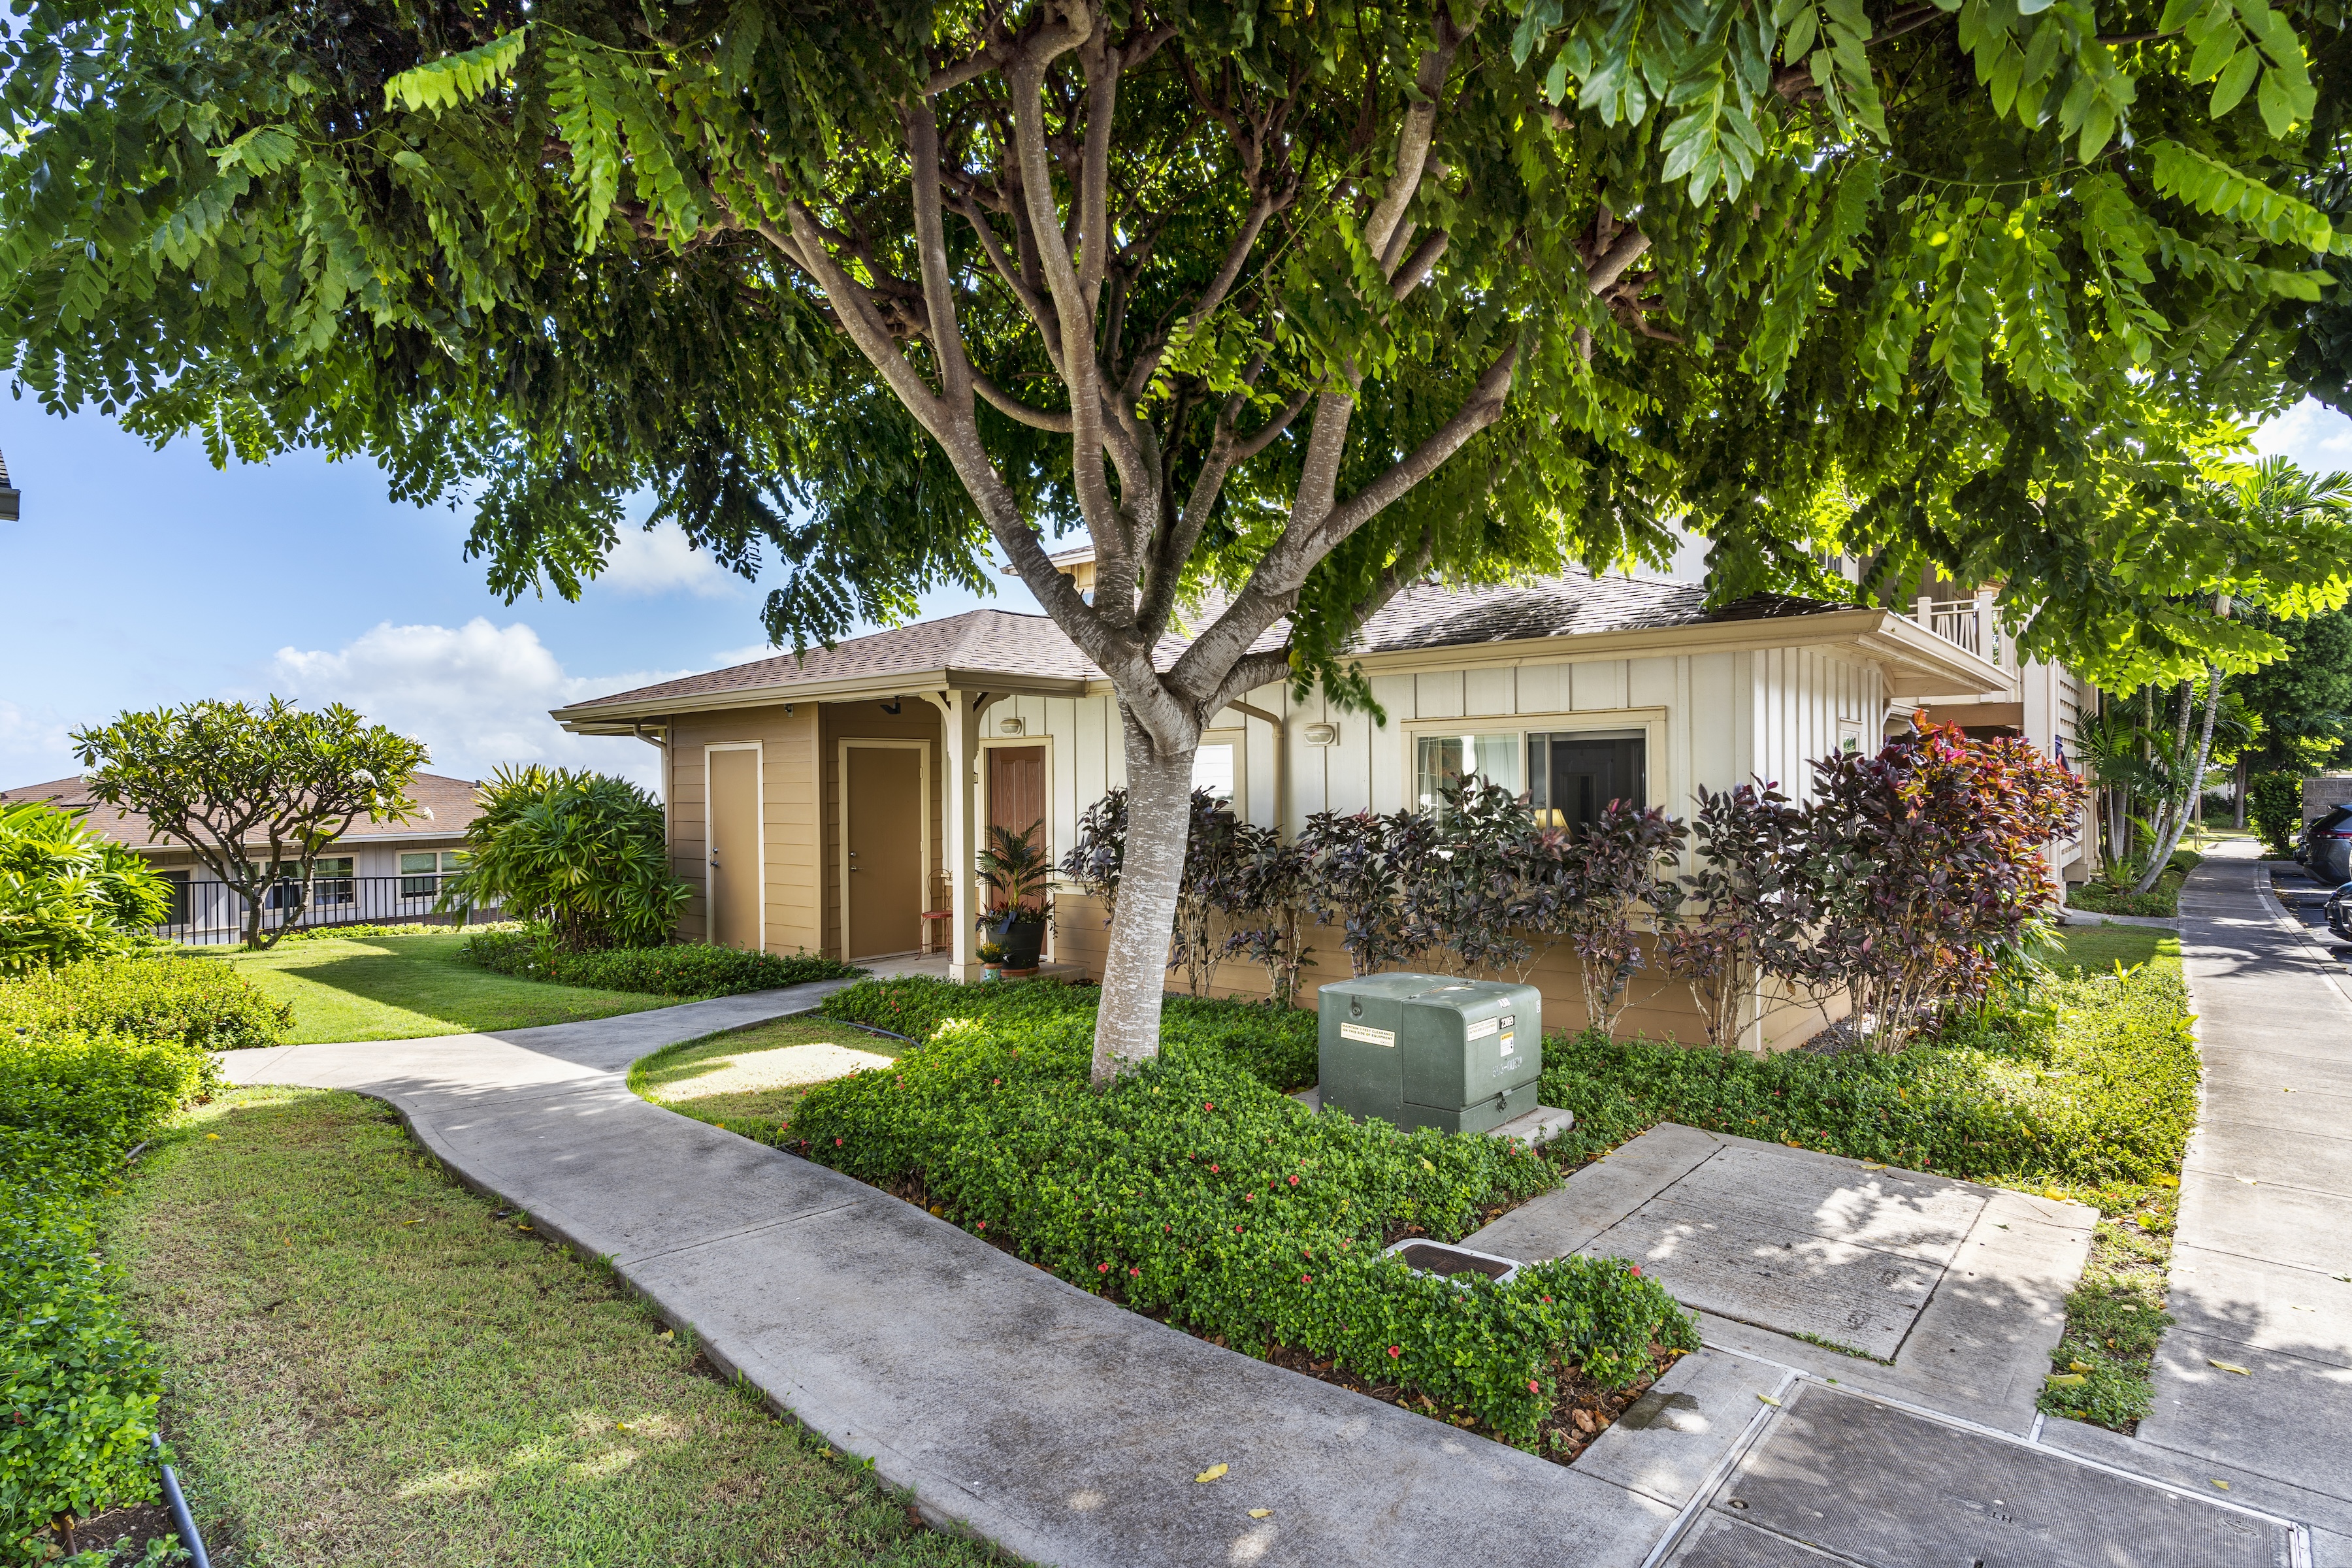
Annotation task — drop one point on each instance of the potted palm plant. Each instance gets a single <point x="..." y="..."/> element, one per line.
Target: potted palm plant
<point x="1017" y="876"/>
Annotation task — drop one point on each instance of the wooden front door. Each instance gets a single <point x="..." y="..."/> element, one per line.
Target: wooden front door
<point x="882" y="797"/>
<point x="734" y="887"/>
<point x="1016" y="789"/>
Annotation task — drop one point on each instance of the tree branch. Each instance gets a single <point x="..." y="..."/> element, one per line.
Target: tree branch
<point x="1012" y="407"/>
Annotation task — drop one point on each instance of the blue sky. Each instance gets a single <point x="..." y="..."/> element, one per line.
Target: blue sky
<point x="139" y="577"/>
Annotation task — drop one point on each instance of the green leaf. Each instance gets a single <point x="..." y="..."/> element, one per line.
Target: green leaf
<point x="453" y="79"/>
<point x="2235" y="78"/>
<point x="2276" y="102"/>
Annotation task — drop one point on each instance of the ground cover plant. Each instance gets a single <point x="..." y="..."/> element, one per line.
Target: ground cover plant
<point x="670" y="969"/>
<point x="371" y="1365"/>
<point x="408" y="988"/>
<point x="1195" y="1189"/>
<point x="80" y="1088"/>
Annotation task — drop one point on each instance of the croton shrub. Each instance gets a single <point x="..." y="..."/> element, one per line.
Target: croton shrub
<point x="1196" y="1189"/>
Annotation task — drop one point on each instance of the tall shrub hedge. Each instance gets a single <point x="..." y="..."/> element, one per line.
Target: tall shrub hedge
<point x="94" y="1058"/>
<point x="2274" y="805"/>
<point x="1196" y="1188"/>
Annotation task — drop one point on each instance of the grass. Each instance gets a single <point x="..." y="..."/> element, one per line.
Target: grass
<point x="733" y="1082"/>
<point x="409" y="987"/>
<point x="369" y="1364"/>
<point x="2098" y="949"/>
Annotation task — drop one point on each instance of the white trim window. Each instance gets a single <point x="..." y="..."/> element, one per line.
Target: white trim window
<point x="1567" y="776"/>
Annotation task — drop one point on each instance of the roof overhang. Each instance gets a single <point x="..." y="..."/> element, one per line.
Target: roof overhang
<point x="634" y="717"/>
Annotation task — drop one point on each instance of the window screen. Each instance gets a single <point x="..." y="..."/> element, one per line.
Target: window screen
<point x="1572" y="778"/>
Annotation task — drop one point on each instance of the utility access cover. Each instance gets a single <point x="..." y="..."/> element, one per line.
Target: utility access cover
<point x="1800" y="1243"/>
<point x="1870" y="1484"/>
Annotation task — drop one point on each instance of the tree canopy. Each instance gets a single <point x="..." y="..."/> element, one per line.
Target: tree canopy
<point x="1295" y="300"/>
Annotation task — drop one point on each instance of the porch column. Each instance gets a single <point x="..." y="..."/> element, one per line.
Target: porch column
<point x="960" y="735"/>
<point x="1988" y="629"/>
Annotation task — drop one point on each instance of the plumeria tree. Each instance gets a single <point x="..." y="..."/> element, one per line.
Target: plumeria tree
<point x="1299" y="304"/>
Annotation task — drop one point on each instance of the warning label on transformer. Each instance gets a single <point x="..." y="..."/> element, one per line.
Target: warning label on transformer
<point x="1367" y="1034"/>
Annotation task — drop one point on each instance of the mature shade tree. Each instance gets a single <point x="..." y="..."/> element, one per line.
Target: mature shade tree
<point x="1294" y="302"/>
<point x="2305" y="697"/>
<point x="258" y="793"/>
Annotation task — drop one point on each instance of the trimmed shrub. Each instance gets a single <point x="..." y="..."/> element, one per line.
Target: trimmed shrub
<point x="2097" y="1085"/>
<point x="204" y="1005"/>
<point x="1192" y="1188"/>
<point x="2274" y="805"/>
<point x="674" y="969"/>
<point x="585" y="853"/>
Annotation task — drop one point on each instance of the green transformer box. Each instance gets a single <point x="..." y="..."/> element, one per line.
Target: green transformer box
<point x="1428" y="1051"/>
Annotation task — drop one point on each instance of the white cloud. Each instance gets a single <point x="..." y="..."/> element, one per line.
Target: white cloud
<point x="2318" y="437"/>
<point x="660" y="561"/>
<point x="34" y="746"/>
<point x="477" y="694"/>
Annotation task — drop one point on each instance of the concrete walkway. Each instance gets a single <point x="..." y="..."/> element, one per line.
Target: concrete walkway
<point x="1064" y="1428"/>
<point x="2262" y="1263"/>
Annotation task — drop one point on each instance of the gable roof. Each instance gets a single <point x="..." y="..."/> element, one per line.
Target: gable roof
<point x="1001" y="651"/>
<point x="445" y="806"/>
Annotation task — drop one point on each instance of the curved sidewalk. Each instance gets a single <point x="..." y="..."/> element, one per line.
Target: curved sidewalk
<point x="1064" y="1428"/>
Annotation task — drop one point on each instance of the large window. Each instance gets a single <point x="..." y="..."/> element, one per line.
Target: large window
<point x="1213" y="770"/>
<point x="1573" y="776"/>
<point x="416" y="871"/>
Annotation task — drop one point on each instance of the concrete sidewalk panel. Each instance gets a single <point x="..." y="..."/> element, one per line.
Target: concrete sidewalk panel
<point x="2258" y="1302"/>
<point x="2288" y="1417"/>
<point x="1900" y="1212"/>
<point x="2300" y="1229"/>
<point x="1667" y="1441"/>
<point x="2141" y="1458"/>
<point x="1880" y="1486"/>
<point x="2313" y="1161"/>
<point x="1718" y="1541"/>
<point x="1557" y="1223"/>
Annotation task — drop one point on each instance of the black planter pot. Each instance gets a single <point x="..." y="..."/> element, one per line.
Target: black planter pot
<point x="1021" y="938"/>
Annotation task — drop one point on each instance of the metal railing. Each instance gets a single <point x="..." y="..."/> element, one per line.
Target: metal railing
<point x="1969" y="623"/>
<point x="207" y="913"/>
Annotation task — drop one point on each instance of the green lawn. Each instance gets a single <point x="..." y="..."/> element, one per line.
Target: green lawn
<point x="740" y="1082"/>
<point x="366" y="1363"/>
<point x="2102" y="947"/>
<point x="407" y="987"/>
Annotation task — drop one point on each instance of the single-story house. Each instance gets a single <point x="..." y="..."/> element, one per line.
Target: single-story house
<point x="376" y="871"/>
<point x="833" y="803"/>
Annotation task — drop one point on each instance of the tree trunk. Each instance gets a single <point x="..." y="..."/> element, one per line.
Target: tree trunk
<point x="1135" y="971"/>
<point x="2195" y="792"/>
<point x="2238" y="795"/>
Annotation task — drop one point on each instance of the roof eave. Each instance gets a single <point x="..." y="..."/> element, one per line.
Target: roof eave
<point x="626" y="718"/>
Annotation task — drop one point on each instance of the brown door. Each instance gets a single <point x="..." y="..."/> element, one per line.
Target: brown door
<point x="1016" y="789"/>
<point x="734" y="847"/>
<point x="883" y="795"/>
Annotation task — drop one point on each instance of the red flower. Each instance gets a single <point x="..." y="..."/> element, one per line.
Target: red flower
<point x="1637" y="1271"/>
<point x="1237" y="1230"/>
<point x="1394" y="1352"/>
<point x="837" y="1142"/>
<point x="1102" y="1267"/>
<point x="1212" y="1170"/>
<point x="1207" y="1105"/>
<point x="1294" y="1181"/>
<point x="1306" y="1279"/>
<point x="1133" y="1272"/>
<point x="983" y="1224"/>
<point x="1547" y="1300"/>
<point x="1533" y="1387"/>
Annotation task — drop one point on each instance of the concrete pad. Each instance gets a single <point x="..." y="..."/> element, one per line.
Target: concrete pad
<point x="2282" y="1224"/>
<point x="1888" y="1210"/>
<point x="2281" y="1155"/>
<point x="2291" y="1417"/>
<point x="779" y="1067"/>
<point x="1667" y="1441"/>
<point x="2330" y="1550"/>
<point x="1557" y="1223"/>
<point x="1773" y="1275"/>
<point x="2246" y="1488"/>
<point x="2258" y="1302"/>
<point x="1876" y="1485"/>
<point x="1535" y="1127"/>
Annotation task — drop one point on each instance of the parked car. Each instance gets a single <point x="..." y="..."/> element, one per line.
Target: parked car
<point x="2339" y="912"/>
<point x="2327" y="848"/>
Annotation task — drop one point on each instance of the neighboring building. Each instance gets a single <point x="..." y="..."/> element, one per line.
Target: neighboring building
<point x="2323" y="792"/>
<point x="824" y="803"/>
<point x="377" y="871"/>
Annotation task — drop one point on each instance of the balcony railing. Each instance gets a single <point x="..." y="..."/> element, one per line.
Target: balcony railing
<point x="1966" y="622"/>
<point x="211" y="913"/>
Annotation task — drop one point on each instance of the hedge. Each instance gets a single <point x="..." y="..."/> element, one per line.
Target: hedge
<point x="94" y="1058"/>
<point x="1195" y="1189"/>
<point x="2097" y="1084"/>
<point x="674" y="969"/>
<point x="195" y="1001"/>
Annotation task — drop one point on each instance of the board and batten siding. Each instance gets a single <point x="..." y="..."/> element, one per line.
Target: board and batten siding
<point x="788" y="817"/>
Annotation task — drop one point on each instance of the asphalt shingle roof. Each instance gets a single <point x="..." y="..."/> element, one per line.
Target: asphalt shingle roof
<point x="1424" y="616"/>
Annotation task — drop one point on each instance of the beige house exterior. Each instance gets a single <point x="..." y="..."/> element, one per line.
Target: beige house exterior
<point x="833" y="803"/>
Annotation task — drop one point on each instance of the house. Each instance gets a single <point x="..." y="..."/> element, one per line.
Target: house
<point x="833" y="802"/>
<point x="376" y="871"/>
